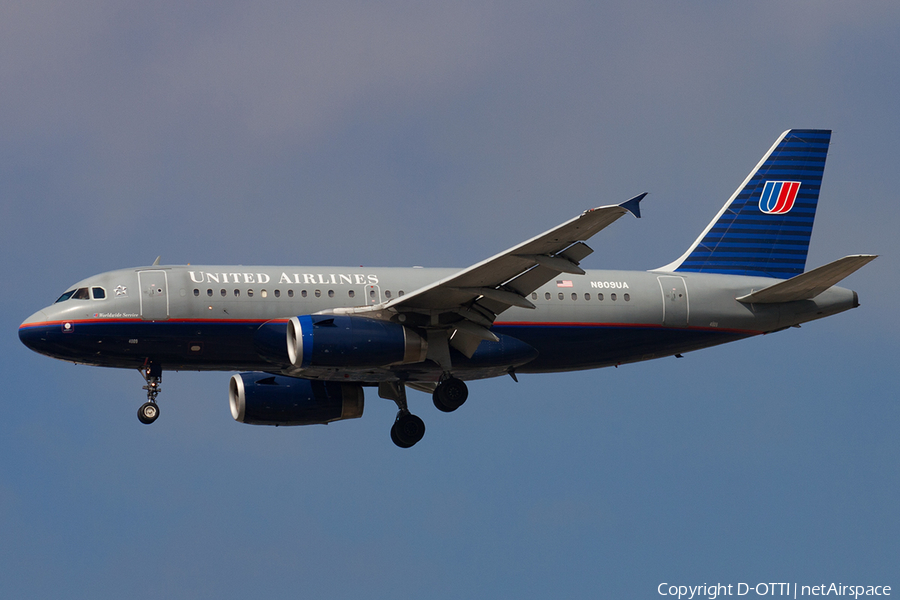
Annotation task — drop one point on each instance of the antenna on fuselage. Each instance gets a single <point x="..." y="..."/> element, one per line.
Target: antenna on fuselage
<point x="156" y="262"/>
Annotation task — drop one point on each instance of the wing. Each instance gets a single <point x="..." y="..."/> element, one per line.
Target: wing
<point x="461" y="308"/>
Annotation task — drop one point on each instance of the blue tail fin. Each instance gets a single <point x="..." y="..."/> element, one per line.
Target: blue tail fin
<point x="764" y="228"/>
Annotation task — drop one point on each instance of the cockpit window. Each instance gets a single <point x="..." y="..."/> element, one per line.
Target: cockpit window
<point x="66" y="296"/>
<point x="83" y="294"/>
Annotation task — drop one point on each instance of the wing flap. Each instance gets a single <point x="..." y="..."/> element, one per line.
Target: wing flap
<point x="557" y="263"/>
<point x="533" y="279"/>
<point x="810" y="284"/>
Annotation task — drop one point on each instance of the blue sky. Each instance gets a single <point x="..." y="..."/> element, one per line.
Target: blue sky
<point x="395" y="133"/>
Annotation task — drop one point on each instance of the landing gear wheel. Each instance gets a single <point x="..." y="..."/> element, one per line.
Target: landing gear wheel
<point x="407" y="430"/>
<point x="152" y="374"/>
<point x="148" y="412"/>
<point x="450" y="394"/>
<point x="396" y="440"/>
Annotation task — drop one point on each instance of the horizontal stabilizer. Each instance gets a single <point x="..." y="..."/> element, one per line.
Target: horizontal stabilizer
<point x="810" y="284"/>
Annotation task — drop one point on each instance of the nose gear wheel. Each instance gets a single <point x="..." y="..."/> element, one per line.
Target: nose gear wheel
<point x="148" y="412"/>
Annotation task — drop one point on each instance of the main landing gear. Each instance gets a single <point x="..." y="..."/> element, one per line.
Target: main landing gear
<point x="149" y="411"/>
<point x="408" y="429"/>
<point x="450" y="394"/>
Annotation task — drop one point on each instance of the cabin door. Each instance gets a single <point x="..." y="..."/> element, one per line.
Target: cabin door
<point x="154" y="295"/>
<point x="675" y="301"/>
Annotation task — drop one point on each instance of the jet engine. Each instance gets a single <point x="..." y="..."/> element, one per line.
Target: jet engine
<point x="263" y="399"/>
<point x="344" y="341"/>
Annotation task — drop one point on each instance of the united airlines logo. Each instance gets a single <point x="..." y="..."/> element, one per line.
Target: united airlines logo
<point x="778" y="197"/>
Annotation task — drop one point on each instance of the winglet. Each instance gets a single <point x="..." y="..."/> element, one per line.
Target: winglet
<point x="634" y="205"/>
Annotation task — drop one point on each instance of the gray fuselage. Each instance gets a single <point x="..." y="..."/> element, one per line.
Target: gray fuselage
<point x="205" y="317"/>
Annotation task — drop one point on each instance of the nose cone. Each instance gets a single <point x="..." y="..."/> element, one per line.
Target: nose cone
<point x="32" y="331"/>
<point x="38" y="317"/>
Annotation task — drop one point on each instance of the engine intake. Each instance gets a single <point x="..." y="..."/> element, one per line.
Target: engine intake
<point x="344" y="341"/>
<point x="263" y="399"/>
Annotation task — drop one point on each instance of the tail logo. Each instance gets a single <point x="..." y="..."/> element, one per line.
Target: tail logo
<point x="778" y="197"/>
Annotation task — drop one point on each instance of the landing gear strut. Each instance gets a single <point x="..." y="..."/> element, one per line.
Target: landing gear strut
<point x="450" y="394"/>
<point x="408" y="429"/>
<point x="149" y="411"/>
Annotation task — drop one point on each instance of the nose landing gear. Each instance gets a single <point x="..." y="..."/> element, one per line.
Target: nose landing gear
<point x="149" y="410"/>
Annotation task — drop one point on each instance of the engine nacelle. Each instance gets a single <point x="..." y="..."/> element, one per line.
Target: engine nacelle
<point x="263" y="399"/>
<point x="270" y="343"/>
<point x="355" y="342"/>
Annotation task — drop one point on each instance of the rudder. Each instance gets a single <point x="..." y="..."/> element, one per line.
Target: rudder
<point x="765" y="227"/>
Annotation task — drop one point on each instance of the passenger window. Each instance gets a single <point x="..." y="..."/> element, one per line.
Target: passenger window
<point x="547" y="296"/>
<point x="612" y="297"/>
<point x="278" y="293"/>
<point x="237" y="293"/>
<point x="81" y="294"/>
<point x="587" y="296"/>
<point x="574" y="296"/>
<point x="400" y="293"/>
<point x="371" y="293"/>
<point x="561" y="295"/>
<point x="224" y="293"/>
<point x="351" y="293"/>
<point x="534" y="295"/>
<point x="627" y="297"/>
<point x="264" y="293"/>
<point x="98" y="293"/>
<point x="209" y="292"/>
<point x="303" y="294"/>
<point x="318" y="293"/>
<point x="196" y="292"/>
<point x="290" y="293"/>
<point x="387" y="293"/>
<point x="331" y="293"/>
<point x="249" y="293"/>
<point x="600" y="297"/>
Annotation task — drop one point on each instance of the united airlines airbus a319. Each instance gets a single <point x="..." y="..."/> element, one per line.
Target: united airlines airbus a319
<point x="308" y="340"/>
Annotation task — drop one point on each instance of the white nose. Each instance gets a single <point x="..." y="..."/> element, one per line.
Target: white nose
<point x="38" y="317"/>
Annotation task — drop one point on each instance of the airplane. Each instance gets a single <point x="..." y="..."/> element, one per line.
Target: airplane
<point x="306" y="341"/>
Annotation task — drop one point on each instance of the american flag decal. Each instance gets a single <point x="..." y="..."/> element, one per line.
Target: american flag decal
<point x="563" y="283"/>
<point x="778" y="197"/>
